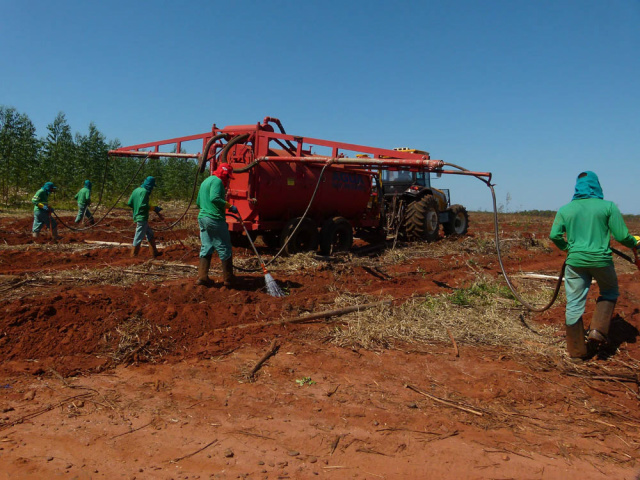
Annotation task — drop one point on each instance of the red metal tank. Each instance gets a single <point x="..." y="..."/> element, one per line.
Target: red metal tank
<point x="283" y="190"/>
<point x="271" y="193"/>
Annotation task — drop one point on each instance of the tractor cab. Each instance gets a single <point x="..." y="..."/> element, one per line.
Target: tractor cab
<point x="398" y="181"/>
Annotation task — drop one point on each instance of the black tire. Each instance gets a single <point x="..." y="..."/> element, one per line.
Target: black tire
<point x="305" y="238"/>
<point x="271" y="240"/>
<point x="458" y="223"/>
<point x="238" y="239"/>
<point x="336" y="235"/>
<point x="421" y="221"/>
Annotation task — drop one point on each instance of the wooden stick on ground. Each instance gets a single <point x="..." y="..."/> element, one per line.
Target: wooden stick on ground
<point x="308" y="318"/>
<point x="113" y="244"/>
<point x="272" y="351"/>
<point x="159" y="274"/>
<point x="444" y="402"/>
<point x="455" y="345"/>
<point x="46" y="409"/>
<point x="131" y="431"/>
<point x="173" y="264"/>
<point x="176" y="460"/>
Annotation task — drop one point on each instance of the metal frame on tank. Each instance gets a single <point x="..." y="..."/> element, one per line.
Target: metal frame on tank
<point x="268" y="163"/>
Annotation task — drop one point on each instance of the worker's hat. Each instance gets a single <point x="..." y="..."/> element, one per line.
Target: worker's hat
<point x="224" y="170"/>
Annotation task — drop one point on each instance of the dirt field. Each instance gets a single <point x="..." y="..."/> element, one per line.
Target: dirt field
<point x="113" y="367"/>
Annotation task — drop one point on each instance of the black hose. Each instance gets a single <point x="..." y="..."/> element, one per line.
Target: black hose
<point x="200" y="169"/>
<point x="234" y="141"/>
<point x="104" y="181"/>
<point x="279" y="124"/>
<point x="304" y="215"/>
<point x="207" y="147"/>
<point x="108" y="211"/>
<point x="499" y="253"/>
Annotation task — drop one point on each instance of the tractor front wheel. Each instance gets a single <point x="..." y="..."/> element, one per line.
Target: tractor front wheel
<point x="458" y="223"/>
<point x="421" y="220"/>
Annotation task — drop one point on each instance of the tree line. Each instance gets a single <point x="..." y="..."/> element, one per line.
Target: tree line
<point x="67" y="159"/>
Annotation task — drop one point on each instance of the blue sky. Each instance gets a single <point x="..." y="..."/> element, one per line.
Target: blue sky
<point x="533" y="91"/>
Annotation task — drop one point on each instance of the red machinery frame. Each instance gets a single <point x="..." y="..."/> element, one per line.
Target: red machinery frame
<point x="259" y="146"/>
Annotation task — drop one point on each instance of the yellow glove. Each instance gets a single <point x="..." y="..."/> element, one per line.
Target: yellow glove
<point x="40" y="205"/>
<point x="637" y="240"/>
<point x="227" y="205"/>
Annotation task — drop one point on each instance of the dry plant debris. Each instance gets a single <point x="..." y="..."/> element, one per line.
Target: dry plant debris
<point x="139" y="340"/>
<point x="482" y="314"/>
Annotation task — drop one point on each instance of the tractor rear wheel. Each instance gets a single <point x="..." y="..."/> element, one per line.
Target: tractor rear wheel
<point x="305" y="238"/>
<point x="458" y="223"/>
<point x="336" y="235"/>
<point x="421" y="221"/>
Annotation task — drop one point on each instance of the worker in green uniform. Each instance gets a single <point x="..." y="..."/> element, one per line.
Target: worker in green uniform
<point x="140" y="204"/>
<point x="42" y="212"/>
<point x="588" y="222"/>
<point x="214" y="231"/>
<point x="84" y="200"/>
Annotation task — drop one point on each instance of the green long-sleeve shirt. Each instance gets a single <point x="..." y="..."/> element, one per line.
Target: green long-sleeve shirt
<point x="41" y="196"/>
<point x="588" y="224"/>
<point x="211" y="198"/>
<point x="139" y="202"/>
<point x="83" y="196"/>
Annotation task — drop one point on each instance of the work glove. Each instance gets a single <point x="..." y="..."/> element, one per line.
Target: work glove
<point x="157" y="209"/>
<point x="47" y="208"/>
<point x="233" y="209"/>
<point x="41" y="206"/>
<point x="637" y="237"/>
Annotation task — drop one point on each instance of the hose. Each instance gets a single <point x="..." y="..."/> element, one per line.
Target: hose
<point x="199" y="170"/>
<point x="291" y="146"/>
<point x="108" y="211"/>
<point x="234" y="141"/>
<point x="207" y="147"/>
<point x="291" y="235"/>
<point x="104" y="181"/>
<point x="499" y="253"/>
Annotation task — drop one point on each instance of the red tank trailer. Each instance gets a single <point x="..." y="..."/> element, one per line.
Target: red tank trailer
<point x="280" y="178"/>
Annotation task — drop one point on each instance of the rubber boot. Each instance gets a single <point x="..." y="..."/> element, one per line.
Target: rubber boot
<point x="152" y="248"/>
<point x="35" y="234"/>
<point x="227" y="272"/>
<point x="203" y="272"/>
<point x="135" y="250"/>
<point x="54" y="234"/>
<point x="576" y="346"/>
<point x="91" y="221"/>
<point x="599" y="328"/>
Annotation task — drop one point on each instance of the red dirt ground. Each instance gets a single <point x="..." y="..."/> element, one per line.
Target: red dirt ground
<point x="181" y="404"/>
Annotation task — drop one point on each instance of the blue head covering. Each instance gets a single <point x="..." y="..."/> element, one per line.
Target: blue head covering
<point x="149" y="183"/>
<point x="87" y="184"/>
<point x="49" y="187"/>
<point x="587" y="186"/>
